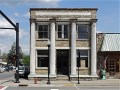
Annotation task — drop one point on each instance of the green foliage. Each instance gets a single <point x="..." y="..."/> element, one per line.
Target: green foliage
<point x="4" y="57"/>
<point x="12" y="52"/>
<point x="26" y="60"/>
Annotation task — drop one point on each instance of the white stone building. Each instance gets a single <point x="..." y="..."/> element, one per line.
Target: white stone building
<point x="68" y="30"/>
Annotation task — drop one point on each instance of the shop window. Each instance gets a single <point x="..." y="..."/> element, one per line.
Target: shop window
<point x="42" y="58"/>
<point x="83" y="58"/>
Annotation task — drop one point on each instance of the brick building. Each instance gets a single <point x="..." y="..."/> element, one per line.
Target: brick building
<point x="68" y="30"/>
<point x="108" y="53"/>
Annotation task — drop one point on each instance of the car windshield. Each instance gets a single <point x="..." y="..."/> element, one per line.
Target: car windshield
<point x="21" y="68"/>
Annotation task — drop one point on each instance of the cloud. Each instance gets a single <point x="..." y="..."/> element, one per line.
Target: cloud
<point x="7" y="37"/>
<point x="6" y="33"/>
<point x="40" y="2"/>
<point x="17" y="14"/>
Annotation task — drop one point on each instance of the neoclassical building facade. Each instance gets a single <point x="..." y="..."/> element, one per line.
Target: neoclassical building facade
<point x="69" y="30"/>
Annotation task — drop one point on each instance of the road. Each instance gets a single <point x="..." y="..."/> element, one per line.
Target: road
<point x="6" y="75"/>
<point x="65" y="88"/>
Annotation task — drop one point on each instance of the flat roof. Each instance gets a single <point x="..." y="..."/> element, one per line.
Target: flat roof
<point x="63" y="9"/>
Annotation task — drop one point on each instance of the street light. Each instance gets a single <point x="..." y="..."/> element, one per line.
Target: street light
<point x="48" y="82"/>
<point x="78" y="65"/>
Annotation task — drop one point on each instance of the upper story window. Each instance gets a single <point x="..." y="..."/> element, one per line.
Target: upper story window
<point x="43" y="31"/>
<point x="63" y="31"/>
<point x="83" y="32"/>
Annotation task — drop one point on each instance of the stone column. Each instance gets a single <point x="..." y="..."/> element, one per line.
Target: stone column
<point x="73" y="47"/>
<point x="52" y="48"/>
<point x="32" y="49"/>
<point x="93" y="48"/>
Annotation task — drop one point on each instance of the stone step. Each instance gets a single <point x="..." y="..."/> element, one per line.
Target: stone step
<point x="62" y="77"/>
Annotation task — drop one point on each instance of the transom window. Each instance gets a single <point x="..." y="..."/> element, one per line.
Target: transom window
<point x="43" y="31"/>
<point x="83" y="32"/>
<point x="63" y="31"/>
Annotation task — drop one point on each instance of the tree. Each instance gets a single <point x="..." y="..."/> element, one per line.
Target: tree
<point x="26" y="60"/>
<point x="4" y="57"/>
<point x="12" y="53"/>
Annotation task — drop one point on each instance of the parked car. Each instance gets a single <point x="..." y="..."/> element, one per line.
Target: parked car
<point x="2" y="69"/>
<point x="24" y="71"/>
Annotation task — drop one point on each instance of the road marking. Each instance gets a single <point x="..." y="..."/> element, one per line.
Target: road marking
<point x="4" y="88"/>
<point x="54" y="89"/>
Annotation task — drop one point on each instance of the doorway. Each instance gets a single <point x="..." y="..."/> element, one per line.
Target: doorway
<point x="63" y="62"/>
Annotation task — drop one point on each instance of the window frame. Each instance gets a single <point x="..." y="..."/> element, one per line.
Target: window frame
<point x="48" y="31"/>
<point x="42" y="56"/>
<point x="88" y="31"/>
<point x="88" y="57"/>
<point x="63" y="31"/>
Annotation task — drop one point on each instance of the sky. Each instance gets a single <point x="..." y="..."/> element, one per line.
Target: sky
<point x="108" y="16"/>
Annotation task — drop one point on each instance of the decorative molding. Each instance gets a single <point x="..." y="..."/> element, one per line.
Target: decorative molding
<point x="93" y="21"/>
<point x="45" y="48"/>
<point x="32" y="20"/>
<point x="43" y="13"/>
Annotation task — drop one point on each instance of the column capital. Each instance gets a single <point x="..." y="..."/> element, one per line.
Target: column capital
<point x="93" y="21"/>
<point x="32" y="20"/>
<point x="73" y="20"/>
<point x="52" y="20"/>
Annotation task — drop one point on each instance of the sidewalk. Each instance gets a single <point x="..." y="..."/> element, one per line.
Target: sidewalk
<point x="30" y="83"/>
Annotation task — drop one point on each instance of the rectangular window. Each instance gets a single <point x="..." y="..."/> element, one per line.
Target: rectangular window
<point x="43" y="31"/>
<point x="42" y="58"/>
<point x="83" y="58"/>
<point x="83" y="32"/>
<point x="63" y="31"/>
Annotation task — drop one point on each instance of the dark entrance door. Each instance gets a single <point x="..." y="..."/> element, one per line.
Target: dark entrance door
<point x="63" y="62"/>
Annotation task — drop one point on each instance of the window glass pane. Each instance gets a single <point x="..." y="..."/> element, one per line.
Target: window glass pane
<point x="40" y="34"/>
<point x="59" y="34"/>
<point x="45" y="35"/>
<point x="65" y="31"/>
<point x="42" y="52"/>
<point x="42" y="61"/>
<point x="84" y="53"/>
<point x="65" y="34"/>
<point x="83" y="58"/>
<point x="43" y="31"/>
<point x="42" y="57"/>
<point x="83" y="36"/>
<point x="82" y="32"/>
<point x="45" y="27"/>
<point x="82" y="28"/>
<point x="41" y="27"/>
<point x="59" y="28"/>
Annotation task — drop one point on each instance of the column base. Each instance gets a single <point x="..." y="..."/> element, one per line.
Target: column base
<point x="73" y="75"/>
<point x="52" y="75"/>
<point x="32" y="75"/>
<point x="94" y="74"/>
